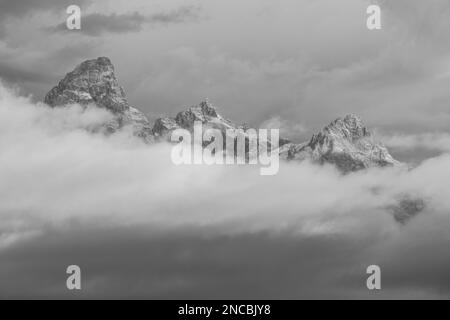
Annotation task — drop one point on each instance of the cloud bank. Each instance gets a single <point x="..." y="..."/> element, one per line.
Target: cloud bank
<point x="439" y="141"/>
<point x="142" y="227"/>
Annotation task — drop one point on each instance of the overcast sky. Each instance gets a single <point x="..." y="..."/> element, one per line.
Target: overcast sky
<point x="301" y="60"/>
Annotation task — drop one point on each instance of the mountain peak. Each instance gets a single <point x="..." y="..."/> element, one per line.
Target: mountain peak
<point x="354" y="123"/>
<point x="345" y="142"/>
<point x="94" y="82"/>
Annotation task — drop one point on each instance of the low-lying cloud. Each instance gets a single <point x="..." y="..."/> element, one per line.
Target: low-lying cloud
<point x="141" y="226"/>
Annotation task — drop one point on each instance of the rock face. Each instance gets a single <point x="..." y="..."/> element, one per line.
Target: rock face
<point x="94" y="82"/>
<point x="205" y="112"/>
<point x="164" y="126"/>
<point x="345" y="142"/>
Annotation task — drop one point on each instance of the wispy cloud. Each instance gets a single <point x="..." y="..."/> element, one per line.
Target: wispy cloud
<point x="195" y="231"/>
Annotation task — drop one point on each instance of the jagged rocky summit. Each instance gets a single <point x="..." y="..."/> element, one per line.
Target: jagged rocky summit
<point x="346" y="142"/>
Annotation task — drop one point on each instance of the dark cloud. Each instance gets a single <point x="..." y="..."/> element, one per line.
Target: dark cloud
<point x="97" y="24"/>
<point x="20" y="8"/>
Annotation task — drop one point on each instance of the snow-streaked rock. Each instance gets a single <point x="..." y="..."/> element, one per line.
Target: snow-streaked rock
<point x="407" y="207"/>
<point x="345" y="142"/>
<point x="204" y="112"/>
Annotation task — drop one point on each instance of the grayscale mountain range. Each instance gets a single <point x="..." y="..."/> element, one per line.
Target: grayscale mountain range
<point x="346" y="142"/>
